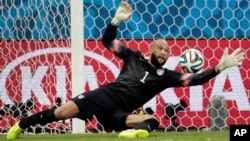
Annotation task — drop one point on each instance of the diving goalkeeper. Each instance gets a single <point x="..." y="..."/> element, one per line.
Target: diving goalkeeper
<point x="140" y="79"/>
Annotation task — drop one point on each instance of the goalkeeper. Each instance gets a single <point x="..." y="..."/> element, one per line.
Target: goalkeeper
<point x="140" y="79"/>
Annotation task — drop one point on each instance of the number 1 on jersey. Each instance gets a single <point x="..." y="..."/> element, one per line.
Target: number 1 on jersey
<point x="144" y="77"/>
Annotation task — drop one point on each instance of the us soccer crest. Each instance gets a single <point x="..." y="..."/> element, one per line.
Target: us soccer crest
<point x="160" y="72"/>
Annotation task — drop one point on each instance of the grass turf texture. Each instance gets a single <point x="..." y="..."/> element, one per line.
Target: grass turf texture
<point x="154" y="136"/>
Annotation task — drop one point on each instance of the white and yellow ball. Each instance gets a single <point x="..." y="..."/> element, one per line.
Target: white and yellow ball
<point x="191" y="60"/>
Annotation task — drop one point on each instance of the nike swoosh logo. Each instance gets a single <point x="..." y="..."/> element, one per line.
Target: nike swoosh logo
<point x="142" y="59"/>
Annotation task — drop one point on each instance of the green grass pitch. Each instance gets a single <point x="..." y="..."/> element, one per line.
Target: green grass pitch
<point x="154" y="136"/>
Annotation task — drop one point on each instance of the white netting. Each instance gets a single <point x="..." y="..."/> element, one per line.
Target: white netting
<point x="35" y="60"/>
<point x="35" y="56"/>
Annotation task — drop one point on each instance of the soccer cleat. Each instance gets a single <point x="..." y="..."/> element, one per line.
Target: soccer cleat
<point x="132" y="133"/>
<point x="14" y="131"/>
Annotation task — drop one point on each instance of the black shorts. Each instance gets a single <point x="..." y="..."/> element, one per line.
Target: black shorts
<point x="113" y="120"/>
<point x="106" y="108"/>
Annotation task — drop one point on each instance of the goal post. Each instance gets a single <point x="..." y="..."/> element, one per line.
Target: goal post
<point x="77" y="57"/>
<point x="52" y="51"/>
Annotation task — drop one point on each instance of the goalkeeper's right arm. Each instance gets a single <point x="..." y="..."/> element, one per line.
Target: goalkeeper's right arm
<point x="123" y="12"/>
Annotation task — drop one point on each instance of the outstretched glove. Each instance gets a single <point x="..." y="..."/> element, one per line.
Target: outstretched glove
<point x="234" y="59"/>
<point x="123" y="12"/>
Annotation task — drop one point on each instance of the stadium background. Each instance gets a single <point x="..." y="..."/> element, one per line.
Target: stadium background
<point x="35" y="40"/>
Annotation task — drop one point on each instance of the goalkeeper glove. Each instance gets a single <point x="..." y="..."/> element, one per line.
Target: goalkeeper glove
<point x="123" y="12"/>
<point x="234" y="59"/>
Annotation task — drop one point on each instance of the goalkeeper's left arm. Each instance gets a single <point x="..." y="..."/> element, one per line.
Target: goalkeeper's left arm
<point x="230" y="60"/>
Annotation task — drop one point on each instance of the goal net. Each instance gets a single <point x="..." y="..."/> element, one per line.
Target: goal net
<point x="36" y="56"/>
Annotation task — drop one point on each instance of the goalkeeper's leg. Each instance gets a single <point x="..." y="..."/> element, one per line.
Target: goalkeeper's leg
<point x="66" y="111"/>
<point x="141" y="126"/>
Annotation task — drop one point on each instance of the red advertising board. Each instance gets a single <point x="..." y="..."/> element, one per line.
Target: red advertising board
<point x="41" y="70"/>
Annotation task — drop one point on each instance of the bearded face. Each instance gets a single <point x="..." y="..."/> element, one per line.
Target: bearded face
<point x="155" y="62"/>
<point x="159" y="53"/>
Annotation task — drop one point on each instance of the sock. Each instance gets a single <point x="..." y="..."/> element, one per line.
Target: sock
<point x="149" y="125"/>
<point x="42" y="117"/>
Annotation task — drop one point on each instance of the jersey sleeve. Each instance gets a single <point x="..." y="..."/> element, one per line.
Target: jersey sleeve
<point x="188" y="79"/>
<point x="111" y="43"/>
<point x="201" y="78"/>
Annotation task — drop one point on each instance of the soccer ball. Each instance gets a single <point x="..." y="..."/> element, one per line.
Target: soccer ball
<point x="191" y="61"/>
